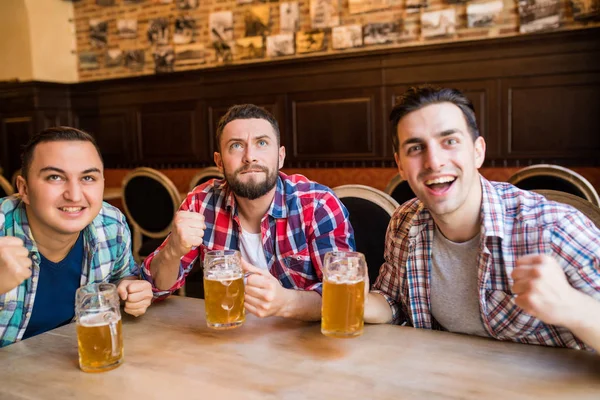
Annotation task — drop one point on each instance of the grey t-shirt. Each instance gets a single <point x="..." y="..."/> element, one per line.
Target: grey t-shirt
<point x="454" y="291"/>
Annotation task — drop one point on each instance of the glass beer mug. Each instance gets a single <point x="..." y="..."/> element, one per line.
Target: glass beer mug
<point x="223" y="289"/>
<point x="98" y="327"/>
<point x="343" y="294"/>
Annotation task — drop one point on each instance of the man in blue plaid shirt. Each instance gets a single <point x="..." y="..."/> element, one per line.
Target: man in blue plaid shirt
<point x="57" y="235"/>
<point x="479" y="257"/>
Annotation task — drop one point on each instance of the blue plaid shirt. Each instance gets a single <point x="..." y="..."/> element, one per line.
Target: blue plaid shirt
<point x="107" y="258"/>
<point x="514" y="223"/>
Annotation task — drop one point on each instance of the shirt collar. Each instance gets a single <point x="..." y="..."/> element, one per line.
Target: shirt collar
<point x="492" y="211"/>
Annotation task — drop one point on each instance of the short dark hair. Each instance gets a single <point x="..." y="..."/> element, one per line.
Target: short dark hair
<point x="246" y="111"/>
<point x="418" y="97"/>
<point x="54" y="134"/>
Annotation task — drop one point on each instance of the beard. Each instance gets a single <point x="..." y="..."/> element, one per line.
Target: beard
<point x="253" y="189"/>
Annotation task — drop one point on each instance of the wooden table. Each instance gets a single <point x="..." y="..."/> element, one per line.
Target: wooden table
<point x="171" y="354"/>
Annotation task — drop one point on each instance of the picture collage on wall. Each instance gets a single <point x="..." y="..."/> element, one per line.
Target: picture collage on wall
<point x="273" y="29"/>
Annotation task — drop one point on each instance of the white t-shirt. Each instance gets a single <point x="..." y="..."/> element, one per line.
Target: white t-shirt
<point x="252" y="249"/>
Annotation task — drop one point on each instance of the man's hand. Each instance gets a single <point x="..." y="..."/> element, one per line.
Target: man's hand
<point x="543" y="291"/>
<point x="187" y="232"/>
<point x="15" y="265"/>
<point x="264" y="294"/>
<point x="137" y="295"/>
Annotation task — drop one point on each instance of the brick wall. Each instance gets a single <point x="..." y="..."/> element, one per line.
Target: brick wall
<point x="148" y="10"/>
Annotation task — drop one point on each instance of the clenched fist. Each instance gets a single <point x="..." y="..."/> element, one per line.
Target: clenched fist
<point x="137" y="295"/>
<point x="543" y="291"/>
<point x="187" y="232"/>
<point x="15" y="265"/>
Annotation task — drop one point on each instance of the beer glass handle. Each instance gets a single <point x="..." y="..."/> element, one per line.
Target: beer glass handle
<point x="114" y="338"/>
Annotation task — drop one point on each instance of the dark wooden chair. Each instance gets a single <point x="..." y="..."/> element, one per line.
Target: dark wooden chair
<point x="204" y="175"/>
<point x="150" y="200"/>
<point x="399" y="189"/>
<point x="555" y="177"/>
<point x="370" y="213"/>
<point x="6" y="188"/>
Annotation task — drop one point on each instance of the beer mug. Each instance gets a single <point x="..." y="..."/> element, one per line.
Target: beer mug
<point x="99" y="334"/>
<point x="343" y="304"/>
<point x="224" y="289"/>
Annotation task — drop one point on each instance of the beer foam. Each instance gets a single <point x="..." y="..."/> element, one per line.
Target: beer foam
<point x="225" y="277"/>
<point x="100" y="319"/>
<point x="344" y="280"/>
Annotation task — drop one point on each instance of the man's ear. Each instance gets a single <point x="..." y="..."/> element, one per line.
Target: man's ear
<point x="23" y="189"/>
<point x="479" y="147"/>
<point x="400" y="171"/>
<point x="281" y="156"/>
<point x="218" y="161"/>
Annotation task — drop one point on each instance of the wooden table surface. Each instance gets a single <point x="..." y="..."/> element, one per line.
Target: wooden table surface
<point x="171" y="354"/>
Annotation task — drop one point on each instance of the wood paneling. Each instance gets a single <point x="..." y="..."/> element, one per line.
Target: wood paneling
<point x="340" y="124"/>
<point x="536" y="98"/>
<point x="552" y="116"/>
<point x="169" y="132"/>
<point x="15" y="131"/>
<point x="113" y="131"/>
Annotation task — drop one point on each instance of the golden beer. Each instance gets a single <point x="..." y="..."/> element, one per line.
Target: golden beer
<point x="100" y="342"/>
<point x="343" y="308"/>
<point x="224" y="301"/>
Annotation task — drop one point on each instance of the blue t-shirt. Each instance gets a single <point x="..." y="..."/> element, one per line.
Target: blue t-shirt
<point x="54" y="303"/>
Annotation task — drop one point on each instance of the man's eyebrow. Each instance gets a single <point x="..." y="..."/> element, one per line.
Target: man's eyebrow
<point x="91" y="170"/>
<point x="53" y="169"/>
<point x="415" y="140"/>
<point x="60" y="171"/>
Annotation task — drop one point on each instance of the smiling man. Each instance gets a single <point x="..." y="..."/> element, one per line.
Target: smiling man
<point x="283" y="225"/>
<point x="479" y="257"/>
<point x="57" y="235"/>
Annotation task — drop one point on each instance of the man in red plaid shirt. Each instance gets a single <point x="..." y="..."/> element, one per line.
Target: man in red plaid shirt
<point x="283" y="225"/>
<point x="479" y="257"/>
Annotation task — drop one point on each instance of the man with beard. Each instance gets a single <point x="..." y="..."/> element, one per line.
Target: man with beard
<point x="479" y="257"/>
<point x="282" y="225"/>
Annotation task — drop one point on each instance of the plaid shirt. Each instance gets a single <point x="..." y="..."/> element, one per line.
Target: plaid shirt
<point x="514" y="223"/>
<point x="107" y="258"/>
<point x="305" y="221"/>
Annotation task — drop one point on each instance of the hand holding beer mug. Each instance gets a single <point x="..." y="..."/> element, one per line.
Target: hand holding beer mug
<point x="98" y="327"/>
<point x="343" y="294"/>
<point x="224" y="289"/>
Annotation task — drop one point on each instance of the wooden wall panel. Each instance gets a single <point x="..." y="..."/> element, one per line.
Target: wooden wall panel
<point x="552" y="116"/>
<point x="15" y="131"/>
<point x="169" y="132"/>
<point x="536" y="98"/>
<point x="340" y="124"/>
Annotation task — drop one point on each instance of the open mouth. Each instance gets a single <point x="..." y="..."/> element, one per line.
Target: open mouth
<point x="440" y="185"/>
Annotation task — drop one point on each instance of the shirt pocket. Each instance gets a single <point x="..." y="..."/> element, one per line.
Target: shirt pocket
<point x="299" y="264"/>
<point x="507" y="320"/>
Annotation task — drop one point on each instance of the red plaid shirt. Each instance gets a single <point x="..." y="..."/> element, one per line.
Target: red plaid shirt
<point x="514" y="223"/>
<point x="305" y="221"/>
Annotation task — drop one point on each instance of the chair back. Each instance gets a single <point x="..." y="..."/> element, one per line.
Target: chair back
<point x="588" y="209"/>
<point x="370" y="213"/>
<point x="554" y="177"/>
<point x="399" y="189"/>
<point x="204" y="175"/>
<point x="150" y="200"/>
<point x="6" y="188"/>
